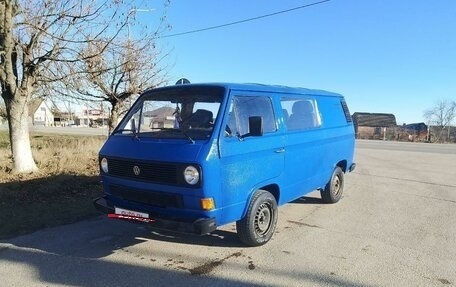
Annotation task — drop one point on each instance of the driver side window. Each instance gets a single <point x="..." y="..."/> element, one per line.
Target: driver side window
<point x="243" y="107"/>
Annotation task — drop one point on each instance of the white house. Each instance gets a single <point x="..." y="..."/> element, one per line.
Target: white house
<point x="39" y="113"/>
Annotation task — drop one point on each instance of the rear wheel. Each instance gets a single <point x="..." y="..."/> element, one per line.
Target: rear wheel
<point x="332" y="192"/>
<point x="257" y="227"/>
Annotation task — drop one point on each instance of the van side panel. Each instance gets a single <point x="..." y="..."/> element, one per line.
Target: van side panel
<point x="311" y="155"/>
<point x="304" y="171"/>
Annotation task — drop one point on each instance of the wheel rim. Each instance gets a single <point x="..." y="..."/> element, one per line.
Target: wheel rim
<point x="336" y="185"/>
<point x="263" y="219"/>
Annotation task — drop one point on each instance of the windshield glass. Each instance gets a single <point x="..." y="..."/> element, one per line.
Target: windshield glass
<point x="184" y="112"/>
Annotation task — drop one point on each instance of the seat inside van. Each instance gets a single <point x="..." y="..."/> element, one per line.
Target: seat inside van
<point x="201" y="119"/>
<point x="302" y="116"/>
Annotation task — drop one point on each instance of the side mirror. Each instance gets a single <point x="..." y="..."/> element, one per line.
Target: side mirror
<point x="255" y="126"/>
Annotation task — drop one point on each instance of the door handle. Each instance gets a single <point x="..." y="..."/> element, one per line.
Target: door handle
<point x="280" y="150"/>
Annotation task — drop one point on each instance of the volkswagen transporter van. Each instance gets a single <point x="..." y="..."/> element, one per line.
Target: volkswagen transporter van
<point x="194" y="157"/>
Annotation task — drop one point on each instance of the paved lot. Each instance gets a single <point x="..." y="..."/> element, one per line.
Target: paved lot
<point x="395" y="226"/>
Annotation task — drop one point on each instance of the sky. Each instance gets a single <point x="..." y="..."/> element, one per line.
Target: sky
<point x="384" y="56"/>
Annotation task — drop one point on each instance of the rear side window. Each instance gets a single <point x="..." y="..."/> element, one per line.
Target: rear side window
<point x="300" y="113"/>
<point x="346" y="111"/>
<point x="243" y="107"/>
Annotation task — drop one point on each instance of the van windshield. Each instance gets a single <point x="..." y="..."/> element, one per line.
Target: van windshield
<point x="183" y="112"/>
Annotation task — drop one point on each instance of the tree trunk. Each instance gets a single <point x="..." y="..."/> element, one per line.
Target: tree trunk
<point x="114" y="116"/>
<point x="17" y="113"/>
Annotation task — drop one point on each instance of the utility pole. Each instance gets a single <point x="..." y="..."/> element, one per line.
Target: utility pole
<point x="130" y="12"/>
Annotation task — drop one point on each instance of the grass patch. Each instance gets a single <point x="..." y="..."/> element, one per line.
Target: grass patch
<point x="60" y="192"/>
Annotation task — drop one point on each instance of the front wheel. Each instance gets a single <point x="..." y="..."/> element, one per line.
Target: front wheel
<point x="332" y="192"/>
<point x="258" y="225"/>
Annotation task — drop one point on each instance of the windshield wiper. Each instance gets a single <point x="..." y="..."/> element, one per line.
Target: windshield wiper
<point x="181" y="131"/>
<point x="186" y="135"/>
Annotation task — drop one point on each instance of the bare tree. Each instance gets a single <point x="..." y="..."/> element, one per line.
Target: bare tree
<point x="36" y="39"/>
<point x="441" y="115"/>
<point x="126" y="67"/>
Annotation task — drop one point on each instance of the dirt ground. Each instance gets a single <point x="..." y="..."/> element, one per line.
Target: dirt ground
<point x="60" y="192"/>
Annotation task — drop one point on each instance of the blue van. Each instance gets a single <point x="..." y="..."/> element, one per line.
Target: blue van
<point x="194" y="157"/>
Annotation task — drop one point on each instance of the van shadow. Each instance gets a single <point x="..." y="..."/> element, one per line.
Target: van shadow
<point x="100" y="237"/>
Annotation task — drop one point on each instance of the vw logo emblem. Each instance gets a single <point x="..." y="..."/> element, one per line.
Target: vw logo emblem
<point x="136" y="170"/>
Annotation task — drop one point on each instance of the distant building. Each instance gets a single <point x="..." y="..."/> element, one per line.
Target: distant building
<point x="416" y="131"/>
<point x="373" y="125"/>
<point x="39" y="113"/>
<point x="62" y="119"/>
<point x="92" y="117"/>
<point x="160" y="118"/>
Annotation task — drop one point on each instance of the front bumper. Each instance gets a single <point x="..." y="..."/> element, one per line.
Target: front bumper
<point x="199" y="226"/>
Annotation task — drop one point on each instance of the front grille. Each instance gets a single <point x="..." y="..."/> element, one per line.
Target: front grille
<point x="147" y="197"/>
<point x="151" y="172"/>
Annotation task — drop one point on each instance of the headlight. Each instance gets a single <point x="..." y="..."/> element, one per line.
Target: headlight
<point x="104" y="165"/>
<point x="191" y="175"/>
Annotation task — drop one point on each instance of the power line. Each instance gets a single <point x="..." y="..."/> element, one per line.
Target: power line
<point x="243" y="21"/>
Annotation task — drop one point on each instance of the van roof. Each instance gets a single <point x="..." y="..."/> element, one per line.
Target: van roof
<point x="258" y="87"/>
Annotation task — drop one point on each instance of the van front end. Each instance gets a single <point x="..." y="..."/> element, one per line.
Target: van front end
<point x="155" y="193"/>
<point x="154" y="163"/>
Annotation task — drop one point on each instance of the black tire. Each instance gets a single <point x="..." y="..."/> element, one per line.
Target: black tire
<point x="258" y="225"/>
<point x="333" y="190"/>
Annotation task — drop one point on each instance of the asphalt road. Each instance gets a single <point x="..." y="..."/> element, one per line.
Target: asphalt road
<point x="395" y="226"/>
